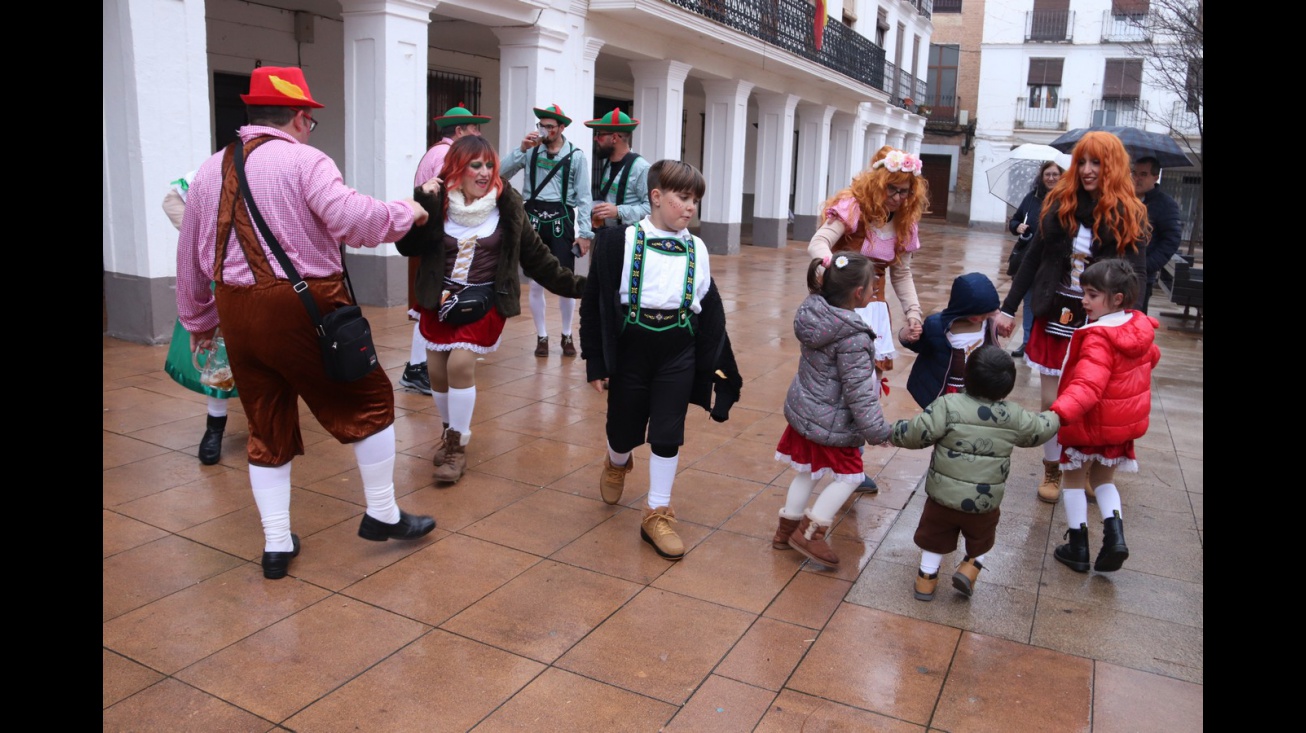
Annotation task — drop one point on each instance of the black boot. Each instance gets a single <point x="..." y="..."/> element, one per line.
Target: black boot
<point x="211" y="443"/>
<point x="1113" y="553"/>
<point x="1075" y="554"/>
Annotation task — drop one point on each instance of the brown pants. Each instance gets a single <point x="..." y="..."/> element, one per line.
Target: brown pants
<point x="939" y="525"/>
<point x="276" y="359"/>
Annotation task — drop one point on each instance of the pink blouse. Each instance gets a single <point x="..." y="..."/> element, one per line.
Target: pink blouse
<point x="877" y="246"/>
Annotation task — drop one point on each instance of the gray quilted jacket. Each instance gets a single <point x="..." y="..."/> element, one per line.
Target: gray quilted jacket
<point x="834" y="399"/>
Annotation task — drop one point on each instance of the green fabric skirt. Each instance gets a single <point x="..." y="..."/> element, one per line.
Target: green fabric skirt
<point x="178" y="365"/>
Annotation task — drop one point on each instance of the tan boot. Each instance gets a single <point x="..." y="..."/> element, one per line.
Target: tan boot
<point x="809" y="539"/>
<point x="786" y="528"/>
<point x="964" y="579"/>
<point x="454" y="464"/>
<point x="656" y="530"/>
<point x="613" y="480"/>
<point x="925" y="585"/>
<point x="442" y="449"/>
<point x="1050" y="489"/>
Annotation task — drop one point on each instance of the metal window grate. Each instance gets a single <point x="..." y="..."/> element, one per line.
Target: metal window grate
<point x="445" y="89"/>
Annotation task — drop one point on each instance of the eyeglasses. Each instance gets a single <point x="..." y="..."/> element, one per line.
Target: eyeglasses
<point x="895" y="192"/>
<point x="312" y="123"/>
<point x="546" y="128"/>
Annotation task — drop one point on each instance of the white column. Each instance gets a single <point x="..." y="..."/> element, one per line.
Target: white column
<point x="723" y="163"/>
<point x="660" y="104"/>
<point x="774" y="174"/>
<point x="912" y="143"/>
<point x="848" y="154"/>
<point x="155" y="128"/>
<point x="385" y="53"/>
<point x="531" y="67"/>
<point x="895" y="138"/>
<point x="875" y="137"/>
<point x="811" y="186"/>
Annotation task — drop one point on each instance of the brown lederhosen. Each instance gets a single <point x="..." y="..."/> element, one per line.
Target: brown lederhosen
<point x="274" y="350"/>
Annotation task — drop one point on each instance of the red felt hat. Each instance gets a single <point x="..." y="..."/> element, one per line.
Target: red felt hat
<point x="279" y="86"/>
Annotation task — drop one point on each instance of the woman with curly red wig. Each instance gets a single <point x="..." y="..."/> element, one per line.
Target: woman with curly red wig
<point x="1092" y="214"/>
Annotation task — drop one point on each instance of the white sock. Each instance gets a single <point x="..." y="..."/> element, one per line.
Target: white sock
<point x="461" y="404"/>
<point x="831" y="500"/>
<point x="1052" y="450"/>
<point x="441" y="404"/>
<point x="566" y="307"/>
<point x="618" y="459"/>
<point x="800" y="490"/>
<point x="379" y="488"/>
<point x="1076" y="504"/>
<point x="271" y="487"/>
<point x="417" y="355"/>
<point x="661" y="475"/>
<point x="217" y="407"/>
<point x="930" y="562"/>
<point x="1108" y="500"/>
<point x="980" y="560"/>
<point x="536" y="298"/>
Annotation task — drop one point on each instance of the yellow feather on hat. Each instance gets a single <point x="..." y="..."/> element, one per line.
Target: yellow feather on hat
<point x="290" y="90"/>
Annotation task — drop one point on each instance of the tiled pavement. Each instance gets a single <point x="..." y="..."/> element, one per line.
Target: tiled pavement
<point x="535" y="607"/>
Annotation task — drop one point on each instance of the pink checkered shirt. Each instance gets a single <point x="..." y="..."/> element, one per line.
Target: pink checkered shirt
<point x="432" y="163"/>
<point x="307" y="205"/>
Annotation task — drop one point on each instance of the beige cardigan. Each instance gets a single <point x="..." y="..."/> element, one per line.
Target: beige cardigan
<point x="833" y="231"/>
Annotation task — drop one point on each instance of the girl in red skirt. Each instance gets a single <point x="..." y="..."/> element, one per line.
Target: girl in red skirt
<point x="1103" y="400"/>
<point x="833" y="405"/>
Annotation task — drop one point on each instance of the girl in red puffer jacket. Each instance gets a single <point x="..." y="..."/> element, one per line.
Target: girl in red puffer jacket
<point x="1103" y="399"/>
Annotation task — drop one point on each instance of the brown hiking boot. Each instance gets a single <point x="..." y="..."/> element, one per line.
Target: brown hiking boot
<point x="925" y="585"/>
<point x="964" y="579"/>
<point x="809" y="539"/>
<point x="442" y="449"/>
<point x="454" y="464"/>
<point x="786" y="528"/>
<point x="568" y="346"/>
<point x="1050" y="489"/>
<point x="541" y="345"/>
<point x="656" y="530"/>
<point x="613" y="480"/>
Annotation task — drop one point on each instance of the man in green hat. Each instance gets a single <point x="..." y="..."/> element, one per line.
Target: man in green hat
<point x="456" y="123"/>
<point x="557" y="199"/>
<point x="621" y="197"/>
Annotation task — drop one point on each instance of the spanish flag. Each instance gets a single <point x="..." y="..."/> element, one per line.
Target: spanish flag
<point x="818" y="23"/>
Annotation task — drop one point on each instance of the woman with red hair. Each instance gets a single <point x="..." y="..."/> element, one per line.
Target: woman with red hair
<point x="467" y="285"/>
<point x="1092" y="214"/>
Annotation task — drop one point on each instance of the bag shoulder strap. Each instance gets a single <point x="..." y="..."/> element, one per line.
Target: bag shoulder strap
<point x="564" y="163"/>
<point x="622" y="168"/>
<point x="627" y="163"/>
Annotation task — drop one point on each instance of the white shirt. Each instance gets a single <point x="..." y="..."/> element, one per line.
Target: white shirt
<point x="663" y="281"/>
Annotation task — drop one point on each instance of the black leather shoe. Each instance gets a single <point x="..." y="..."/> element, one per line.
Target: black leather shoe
<point x="277" y="564"/>
<point x="409" y="527"/>
<point x="211" y="443"/>
<point x="1019" y="352"/>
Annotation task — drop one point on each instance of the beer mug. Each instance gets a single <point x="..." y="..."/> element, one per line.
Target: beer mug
<point x="215" y="371"/>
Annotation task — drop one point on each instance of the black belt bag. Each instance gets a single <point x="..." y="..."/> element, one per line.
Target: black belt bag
<point x="468" y="305"/>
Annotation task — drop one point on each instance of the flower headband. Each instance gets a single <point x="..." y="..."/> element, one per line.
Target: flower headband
<point x="897" y="161"/>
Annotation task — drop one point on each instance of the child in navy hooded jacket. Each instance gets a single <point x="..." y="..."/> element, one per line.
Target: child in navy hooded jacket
<point x="947" y="338"/>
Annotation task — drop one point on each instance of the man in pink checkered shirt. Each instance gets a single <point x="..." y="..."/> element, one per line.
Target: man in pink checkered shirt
<point x="270" y="339"/>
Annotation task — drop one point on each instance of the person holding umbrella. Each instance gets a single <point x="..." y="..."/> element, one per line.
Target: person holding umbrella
<point x="1091" y="214"/>
<point x="1024" y="223"/>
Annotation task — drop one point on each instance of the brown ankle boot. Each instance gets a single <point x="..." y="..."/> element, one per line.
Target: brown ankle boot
<point x="454" y="464"/>
<point x="925" y="585"/>
<point x="809" y="539"/>
<point x="656" y="529"/>
<point x="1050" y="489"/>
<point x="964" y="579"/>
<point x="612" y="481"/>
<point x="786" y="528"/>
<point x="442" y="449"/>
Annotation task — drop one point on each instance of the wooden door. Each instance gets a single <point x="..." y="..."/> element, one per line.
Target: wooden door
<point x="936" y="169"/>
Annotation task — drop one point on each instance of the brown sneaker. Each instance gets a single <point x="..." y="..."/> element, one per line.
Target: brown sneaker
<point x="786" y="528"/>
<point x="442" y="449"/>
<point x="964" y="579"/>
<point x="656" y="530"/>
<point x="568" y="346"/>
<point x="541" y="345"/>
<point x="454" y="464"/>
<point x="1050" y="489"/>
<point x="613" y="480"/>
<point x="925" y="585"/>
<point x="809" y="539"/>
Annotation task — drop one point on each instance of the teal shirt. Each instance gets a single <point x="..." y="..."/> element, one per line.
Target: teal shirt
<point x="635" y="206"/>
<point x="578" y="180"/>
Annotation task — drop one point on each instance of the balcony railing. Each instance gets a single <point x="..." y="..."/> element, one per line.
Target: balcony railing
<point x="924" y="7"/>
<point x="787" y="24"/>
<point x="1126" y="112"/>
<point x="1183" y="121"/>
<point x="1043" y="117"/>
<point x="942" y="111"/>
<point x="1049" y="26"/>
<point x="1125" y="28"/>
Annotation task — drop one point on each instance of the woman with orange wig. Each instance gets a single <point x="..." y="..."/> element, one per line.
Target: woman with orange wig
<point x="1092" y="214"/>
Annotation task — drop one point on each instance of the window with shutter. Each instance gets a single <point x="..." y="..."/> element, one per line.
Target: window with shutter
<point x="1123" y="79"/>
<point x="1044" y="82"/>
<point x="1130" y="8"/>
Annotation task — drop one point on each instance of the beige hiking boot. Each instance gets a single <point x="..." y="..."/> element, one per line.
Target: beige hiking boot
<point x="1050" y="489"/>
<point x="454" y="464"/>
<point x="964" y="579"/>
<point x="613" y="480"/>
<point x="925" y="585"/>
<point x="442" y="449"/>
<point x="656" y="530"/>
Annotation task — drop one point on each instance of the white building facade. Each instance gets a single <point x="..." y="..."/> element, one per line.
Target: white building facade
<point x="735" y="88"/>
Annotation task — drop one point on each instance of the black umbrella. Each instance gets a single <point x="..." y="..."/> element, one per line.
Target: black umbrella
<point x="1139" y="143"/>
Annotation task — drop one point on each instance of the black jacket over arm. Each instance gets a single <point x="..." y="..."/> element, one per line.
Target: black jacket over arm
<point x="1167" y="230"/>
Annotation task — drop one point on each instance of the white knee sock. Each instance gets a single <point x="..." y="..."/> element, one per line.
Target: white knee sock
<point x="1076" y="504"/>
<point x="831" y="499"/>
<point x="441" y="404"/>
<point x="1108" y="500"/>
<point x="1052" y="450"/>
<point x="980" y="560"/>
<point x="271" y="487"/>
<point x="930" y="562"/>
<point x="618" y="459"/>
<point x="536" y="299"/>
<point x="567" y="307"/>
<point x="417" y="354"/>
<point x="379" y="489"/>
<point x="800" y="490"/>
<point x="461" y="404"/>
<point x="661" y="475"/>
<point x="217" y="407"/>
